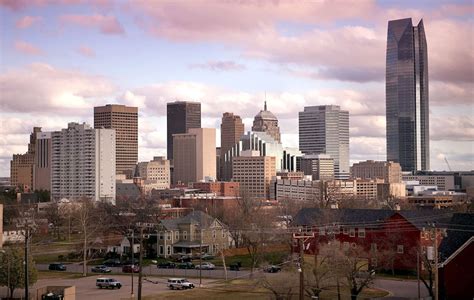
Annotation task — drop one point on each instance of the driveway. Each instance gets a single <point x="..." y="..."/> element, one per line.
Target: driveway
<point x="401" y="289"/>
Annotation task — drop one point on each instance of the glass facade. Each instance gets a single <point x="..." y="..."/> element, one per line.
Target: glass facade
<point x="407" y="102"/>
<point x="181" y="116"/>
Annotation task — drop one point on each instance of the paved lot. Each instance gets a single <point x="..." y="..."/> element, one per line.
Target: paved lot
<point x="86" y="289"/>
<point x="401" y="289"/>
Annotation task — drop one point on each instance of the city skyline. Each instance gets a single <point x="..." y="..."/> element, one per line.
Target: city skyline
<point x="60" y="62"/>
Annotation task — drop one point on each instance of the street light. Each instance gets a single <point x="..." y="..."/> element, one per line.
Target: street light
<point x="200" y="255"/>
<point x="8" y="269"/>
<point x="131" y="233"/>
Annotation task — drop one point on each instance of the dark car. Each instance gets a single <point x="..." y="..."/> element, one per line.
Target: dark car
<point x="186" y="265"/>
<point x="57" y="267"/>
<point x="207" y="257"/>
<point x="130" y="269"/>
<point x="235" y="266"/>
<point x="183" y="258"/>
<point x="272" y="269"/>
<point x="101" y="269"/>
<point x="112" y="263"/>
<point x="166" y="265"/>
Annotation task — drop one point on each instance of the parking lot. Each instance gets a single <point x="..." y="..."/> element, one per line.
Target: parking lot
<point x="86" y="289"/>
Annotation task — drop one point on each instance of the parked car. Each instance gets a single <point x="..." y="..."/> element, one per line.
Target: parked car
<point x="101" y="269"/>
<point x="207" y="257"/>
<point x="272" y="269"/>
<point x="107" y="283"/>
<point x="166" y="265"/>
<point x="235" y="266"/>
<point x="112" y="263"/>
<point x="205" y="266"/>
<point x="57" y="267"/>
<point x="179" y="284"/>
<point x="182" y="258"/>
<point x="130" y="269"/>
<point x="185" y="265"/>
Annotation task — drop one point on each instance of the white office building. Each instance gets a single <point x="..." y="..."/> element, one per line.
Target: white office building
<point x="83" y="163"/>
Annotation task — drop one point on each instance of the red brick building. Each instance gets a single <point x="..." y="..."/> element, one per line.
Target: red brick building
<point x="221" y="188"/>
<point x="390" y="238"/>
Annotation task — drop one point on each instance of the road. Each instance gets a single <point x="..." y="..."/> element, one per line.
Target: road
<point x="401" y="289"/>
<point x="86" y="289"/>
<point x="152" y="270"/>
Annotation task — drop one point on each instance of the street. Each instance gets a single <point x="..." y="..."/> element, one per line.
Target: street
<point x="400" y="289"/>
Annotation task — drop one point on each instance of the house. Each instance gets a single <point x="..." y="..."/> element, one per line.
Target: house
<point x="122" y="246"/>
<point x="390" y="238"/>
<point x="194" y="233"/>
<point x="456" y="255"/>
<point x="13" y="235"/>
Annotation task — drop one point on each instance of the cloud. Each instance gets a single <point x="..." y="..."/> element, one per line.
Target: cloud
<point x="27" y="48"/>
<point x="224" y="65"/>
<point x="17" y="5"/>
<point x="452" y="128"/>
<point x="86" y="51"/>
<point x="43" y="88"/>
<point x="105" y="24"/>
<point x="27" y="21"/>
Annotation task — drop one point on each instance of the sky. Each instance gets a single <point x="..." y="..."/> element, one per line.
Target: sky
<point x="60" y="58"/>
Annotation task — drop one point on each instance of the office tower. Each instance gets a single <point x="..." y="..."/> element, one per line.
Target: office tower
<point x="407" y="101"/>
<point x="42" y="161"/>
<point x="232" y="129"/>
<point x="389" y="171"/>
<point x="83" y="163"/>
<point x="325" y="130"/>
<point x="157" y="170"/>
<point x="265" y="121"/>
<point x="319" y="166"/>
<point x="22" y="165"/>
<point x="194" y="155"/>
<point x="181" y="116"/>
<point x="124" y="119"/>
<point x="254" y="174"/>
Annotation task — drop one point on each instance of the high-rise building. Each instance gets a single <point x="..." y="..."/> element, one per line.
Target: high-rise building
<point x="232" y="129"/>
<point x="325" y="130"/>
<point x="319" y="166"/>
<point x="124" y="119"/>
<point x="406" y="90"/>
<point x="22" y="165"/>
<point x="254" y="174"/>
<point x="389" y="171"/>
<point x="42" y="167"/>
<point x="265" y="121"/>
<point x="157" y="170"/>
<point x="194" y="155"/>
<point x="83" y="163"/>
<point x="181" y="116"/>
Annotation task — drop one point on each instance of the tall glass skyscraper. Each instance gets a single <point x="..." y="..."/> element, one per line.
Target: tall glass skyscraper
<point x="325" y="130"/>
<point x="181" y="116"/>
<point x="407" y="101"/>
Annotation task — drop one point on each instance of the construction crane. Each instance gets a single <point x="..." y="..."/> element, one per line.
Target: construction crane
<point x="446" y="160"/>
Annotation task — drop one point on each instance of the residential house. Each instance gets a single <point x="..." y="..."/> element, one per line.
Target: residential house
<point x="194" y="233"/>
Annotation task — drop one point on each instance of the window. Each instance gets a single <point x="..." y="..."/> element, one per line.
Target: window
<point x="345" y="245"/>
<point x="352" y="232"/>
<point x="168" y="250"/>
<point x="176" y="235"/>
<point x="185" y="235"/>
<point x="373" y="247"/>
<point x="361" y="232"/>
<point x="353" y="245"/>
<point x="168" y="235"/>
<point x="400" y="249"/>
<point x="345" y="231"/>
<point x="161" y="250"/>
<point x="322" y="231"/>
<point x="214" y="234"/>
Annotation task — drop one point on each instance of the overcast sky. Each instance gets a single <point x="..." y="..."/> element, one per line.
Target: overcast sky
<point x="60" y="58"/>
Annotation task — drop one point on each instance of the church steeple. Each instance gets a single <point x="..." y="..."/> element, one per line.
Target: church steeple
<point x="265" y="106"/>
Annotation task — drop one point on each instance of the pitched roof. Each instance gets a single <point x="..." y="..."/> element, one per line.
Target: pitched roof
<point x="317" y="216"/>
<point x="195" y="217"/>
<point x="424" y="217"/>
<point x="460" y="229"/>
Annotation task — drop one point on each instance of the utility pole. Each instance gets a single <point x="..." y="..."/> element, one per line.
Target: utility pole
<point x="28" y="226"/>
<point x="140" y="265"/>
<point x="132" y="233"/>
<point x="301" y="246"/>
<point x="418" y="271"/>
<point x="200" y="257"/>
<point x="436" y="261"/>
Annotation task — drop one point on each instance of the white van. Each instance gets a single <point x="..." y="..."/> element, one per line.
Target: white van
<point x="179" y="284"/>
<point x="107" y="283"/>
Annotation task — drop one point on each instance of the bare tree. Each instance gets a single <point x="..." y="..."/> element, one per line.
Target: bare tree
<point x="355" y="269"/>
<point x="281" y="285"/>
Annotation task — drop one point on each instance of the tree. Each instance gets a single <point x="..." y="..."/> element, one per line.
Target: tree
<point x="281" y="285"/>
<point x="355" y="269"/>
<point x="428" y="277"/>
<point x="56" y="217"/>
<point x="319" y="274"/>
<point x="12" y="273"/>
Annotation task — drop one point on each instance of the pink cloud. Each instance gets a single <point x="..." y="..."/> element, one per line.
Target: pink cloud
<point x="27" y="21"/>
<point x="219" y="66"/>
<point x="105" y="24"/>
<point x="86" y="51"/>
<point x="27" y="48"/>
<point x="17" y="5"/>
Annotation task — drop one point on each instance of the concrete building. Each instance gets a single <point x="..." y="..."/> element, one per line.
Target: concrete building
<point x="265" y="121"/>
<point x="385" y="191"/>
<point x="42" y="163"/>
<point x="232" y="129"/>
<point x="319" y="166"/>
<point x="22" y="165"/>
<point x="443" y="182"/>
<point x="407" y="97"/>
<point x="254" y="173"/>
<point x="390" y="172"/>
<point x="181" y="116"/>
<point x="298" y="190"/>
<point x="156" y="170"/>
<point x="194" y="155"/>
<point x="325" y="130"/>
<point x="124" y="119"/>
<point x="83" y="163"/>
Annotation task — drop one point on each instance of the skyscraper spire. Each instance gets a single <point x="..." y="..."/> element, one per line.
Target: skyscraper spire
<point x="265" y="106"/>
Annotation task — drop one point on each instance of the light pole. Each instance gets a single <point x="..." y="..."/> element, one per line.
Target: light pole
<point x="200" y="255"/>
<point x="132" y="233"/>
<point x="8" y="270"/>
